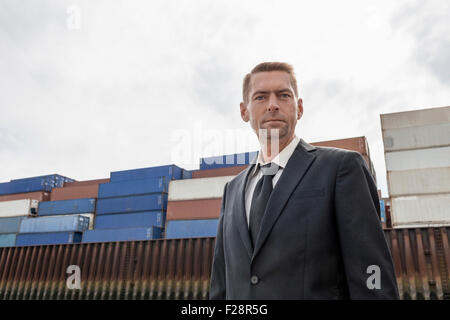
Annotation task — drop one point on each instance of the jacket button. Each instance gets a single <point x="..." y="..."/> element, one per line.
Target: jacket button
<point x="254" y="279"/>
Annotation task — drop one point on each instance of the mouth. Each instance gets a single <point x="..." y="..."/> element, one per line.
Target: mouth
<point x="273" y="120"/>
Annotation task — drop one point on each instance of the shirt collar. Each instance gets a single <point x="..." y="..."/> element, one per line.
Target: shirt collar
<point x="281" y="159"/>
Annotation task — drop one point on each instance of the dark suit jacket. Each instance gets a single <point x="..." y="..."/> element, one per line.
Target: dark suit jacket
<point x="320" y="233"/>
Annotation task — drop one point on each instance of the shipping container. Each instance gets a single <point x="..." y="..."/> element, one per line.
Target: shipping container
<point x="177" y="229"/>
<point x="39" y="196"/>
<point x="75" y="192"/>
<point x="41" y="183"/>
<point x="187" y="174"/>
<point x="15" y="208"/>
<point x="169" y="171"/>
<point x="66" y="207"/>
<point x="10" y="225"/>
<point x="358" y="144"/>
<point x="130" y="220"/>
<point x="220" y="172"/>
<point x="133" y="187"/>
<point x="35" y="239"/>
<point x="7" y="240"/>
<point x="437" y="135"/>
<point x="423" y="210"/>
<point x="419" y="181"/>
<point x="229" y="160"/>
<point x="200" y="188"/>
<point x="54" y="224"/>
<point x="415" y="118"/>
<point x="194" y="209"/>
<point x="382" y="211"/>
<point x="126" y="234"/>
<point x="148" y="202"/>
<point x="86" y="182"/>
<point x="418" y="159"/>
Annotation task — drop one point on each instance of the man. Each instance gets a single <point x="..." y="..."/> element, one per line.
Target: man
<point x="304" y="226"/>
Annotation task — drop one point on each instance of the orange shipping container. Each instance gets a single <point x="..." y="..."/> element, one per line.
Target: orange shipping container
<point x="38" y="195"/>
<point x="194" y="209"/>
<point x="76" y="192"/>
<point x="358" y="144"/>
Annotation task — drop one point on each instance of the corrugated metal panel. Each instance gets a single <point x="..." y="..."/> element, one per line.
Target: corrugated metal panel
<point x="75" y="192"/>
<point x="194" y="209"/>
<point x="437" y="135"/>
<point x="426" y="210"/>
<point x="122" y="234"/>
<point x="39" y="195"/>
<point x="66" y="207"/>
<point x="181" y="268"/>
<point x="220" y="172"/>
<point x="32" y="239"/>
<point x="133" y="187"/>
<point x="54" y="224"/>
<point x="41" y="183"/>
<point x="15" y="208"/>
<point x="201" y="188"/>
<point x="422" y="117"/>
<point x="229" y="160"/>
<point x="130" y="220"/>
<point x="176" y="229"/>
<point x="419" y="181"/>
<point x="132" y="204"/>
<point x="10" y="225"/>
<point x="169" y="171"/>
<point x="418" y="159"/>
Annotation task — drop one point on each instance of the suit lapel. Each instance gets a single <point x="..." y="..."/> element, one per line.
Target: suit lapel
<point x="298" y="164"/>
<point x="239" y="210"/>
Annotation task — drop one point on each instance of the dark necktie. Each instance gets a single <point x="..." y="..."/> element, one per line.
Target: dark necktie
<point x="260" y="197"/>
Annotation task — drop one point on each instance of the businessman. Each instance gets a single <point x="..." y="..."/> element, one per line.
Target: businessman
<point x="301" y="222"/>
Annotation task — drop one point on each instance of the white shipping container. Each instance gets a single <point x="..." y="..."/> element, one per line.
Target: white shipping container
<point x="419" y="181"/>
<point x="414" y="118"/>
<point x="426" y="210"/>
<point x="437" y="135"/>
<point x="16" y="208"/>
<point x="418" y="159"/>
<point x="199" y="188"/>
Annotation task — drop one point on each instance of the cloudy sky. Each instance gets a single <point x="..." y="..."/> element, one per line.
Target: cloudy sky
<point x="90" y="87"/>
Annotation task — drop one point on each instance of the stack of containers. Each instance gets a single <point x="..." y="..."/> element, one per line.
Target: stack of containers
<point x="11" y="215"/>
<point x="417" y="154"/>
<point x="194" y="205"/>
<point x="58" y="222"/>
<point x="132" y="206"/>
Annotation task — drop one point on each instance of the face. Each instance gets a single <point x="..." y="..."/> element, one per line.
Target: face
<point x="272" y="104"/>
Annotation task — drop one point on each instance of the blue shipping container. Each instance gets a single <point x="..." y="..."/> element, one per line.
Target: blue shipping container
<point x="148" y="202"/>
<point x="30" y="239"/>
<point x="230" y="160"/>
<point x="7" y="240"/>
<point x="133" y="187"/>
<point x="177" y="229"/>
<point x="54" y="224"/>
<point x="41" y="183"/>
<point x="187" y="174"/>
<point x="172" y="172"/>
<point x="10" y="225"/>
<point x="47" y="208"/>
<point x="128" y="234"/>
<point x="382" y="211"/>
<point x="130" y="220"/>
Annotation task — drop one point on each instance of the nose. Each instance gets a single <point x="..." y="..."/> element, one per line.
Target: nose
<point x="273" y="103"/>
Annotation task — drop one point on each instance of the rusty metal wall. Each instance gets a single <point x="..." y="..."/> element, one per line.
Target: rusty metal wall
<point x="180" y="268"/>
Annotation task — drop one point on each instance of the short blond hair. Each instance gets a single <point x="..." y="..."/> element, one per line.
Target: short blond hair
<point x="266" y="67"/>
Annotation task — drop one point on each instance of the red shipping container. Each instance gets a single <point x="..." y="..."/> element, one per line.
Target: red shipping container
<point x="38" y="195"/>
<point x="86" y="182"/>
<point x="194" y="209"/>
<point x="220" y="172"/>
<point x="76" y="192"/>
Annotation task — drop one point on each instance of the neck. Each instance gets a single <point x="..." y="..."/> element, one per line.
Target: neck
<point x="267" y="153"/>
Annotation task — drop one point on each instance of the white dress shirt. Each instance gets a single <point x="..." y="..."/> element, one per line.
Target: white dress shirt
<point x="281" y="160"/>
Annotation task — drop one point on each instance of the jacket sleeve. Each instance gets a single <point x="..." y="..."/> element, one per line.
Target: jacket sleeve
<point x="217" y="289"/>
<point x="367" y="260"/>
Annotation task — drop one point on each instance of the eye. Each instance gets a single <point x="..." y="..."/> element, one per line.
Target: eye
<point x="259" y="97"/>
<point x="285" y="95"/>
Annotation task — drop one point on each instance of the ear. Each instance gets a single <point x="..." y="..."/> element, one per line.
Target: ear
<point x="299" y="108"/>
<point x="244" y="112"/>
